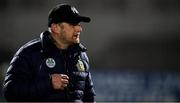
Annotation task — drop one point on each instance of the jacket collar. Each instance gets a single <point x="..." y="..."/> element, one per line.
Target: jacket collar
<point x="49" y="48"/>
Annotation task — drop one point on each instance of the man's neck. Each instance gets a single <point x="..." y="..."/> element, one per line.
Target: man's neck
<point x="58" y="43"/>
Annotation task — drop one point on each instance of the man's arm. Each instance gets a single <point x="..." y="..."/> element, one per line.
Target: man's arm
<point x="21" y="84"/>
<point x="89" y="93"/>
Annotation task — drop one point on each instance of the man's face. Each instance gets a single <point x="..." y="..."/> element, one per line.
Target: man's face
<point x="69" y="34"/>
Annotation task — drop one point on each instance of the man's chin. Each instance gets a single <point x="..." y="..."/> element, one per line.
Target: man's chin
<point x="77" y="41"/>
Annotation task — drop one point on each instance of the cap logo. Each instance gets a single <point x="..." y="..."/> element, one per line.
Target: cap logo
<point x="74" y="10"/>
<point x="50" y="62"/>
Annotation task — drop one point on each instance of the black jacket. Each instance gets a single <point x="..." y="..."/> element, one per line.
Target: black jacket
<point x="28" y="76"/>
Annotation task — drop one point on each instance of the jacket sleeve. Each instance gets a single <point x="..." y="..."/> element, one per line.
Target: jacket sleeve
<point x="89" y="93"/>
<point x="21" y="84"/>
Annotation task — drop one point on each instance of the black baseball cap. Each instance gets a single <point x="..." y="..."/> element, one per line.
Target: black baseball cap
<point x="65" y="13"/>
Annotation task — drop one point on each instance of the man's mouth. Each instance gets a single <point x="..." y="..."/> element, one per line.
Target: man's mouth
<point x="76" y="35"/>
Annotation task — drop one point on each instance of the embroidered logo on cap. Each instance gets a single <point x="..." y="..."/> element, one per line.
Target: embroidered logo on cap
<point x="74" y="10"/>
<point x="50" y="62"/>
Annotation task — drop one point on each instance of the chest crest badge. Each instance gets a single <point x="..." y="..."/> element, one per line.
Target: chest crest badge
<point x="80" y="66"/>
<point x="50" y="62"/>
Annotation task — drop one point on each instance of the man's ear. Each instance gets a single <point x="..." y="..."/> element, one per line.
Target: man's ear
<point x="54" y="28"/>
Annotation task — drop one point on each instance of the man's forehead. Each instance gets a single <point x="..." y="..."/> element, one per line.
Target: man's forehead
<point x="74" y="24"/>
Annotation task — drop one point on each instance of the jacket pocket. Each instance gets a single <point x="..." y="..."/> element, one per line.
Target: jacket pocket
<point x="76" y="95"/>
<point x="79" y="76"/>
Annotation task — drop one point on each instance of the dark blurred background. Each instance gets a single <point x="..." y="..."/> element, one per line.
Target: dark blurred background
<point x="133" y="45"/>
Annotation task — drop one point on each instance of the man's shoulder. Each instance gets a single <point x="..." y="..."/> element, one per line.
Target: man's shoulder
<point x="30" y="47"/>
<point x="84" y="57"/>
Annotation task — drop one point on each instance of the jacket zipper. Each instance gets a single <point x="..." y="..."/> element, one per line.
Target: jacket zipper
<point x="66" y="72"/>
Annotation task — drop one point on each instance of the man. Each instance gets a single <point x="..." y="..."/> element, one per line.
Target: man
<point x="53" y="67"/>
